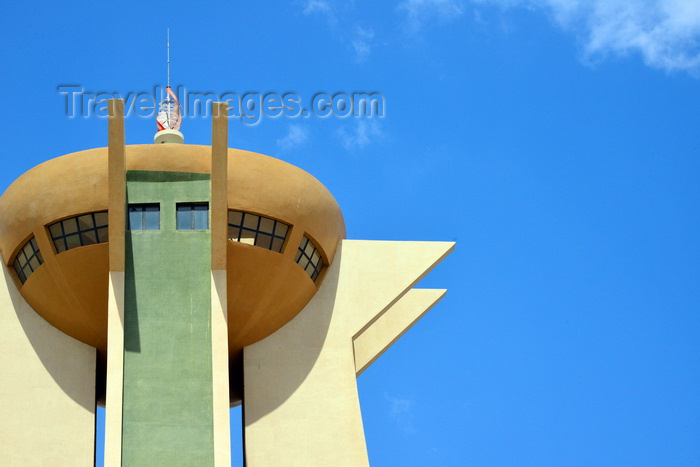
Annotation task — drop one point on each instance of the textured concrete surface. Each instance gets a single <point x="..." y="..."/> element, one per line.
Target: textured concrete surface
<point x="167" y="411"/>
<point x="301" y="406"/>
<point x="47" y="389"/>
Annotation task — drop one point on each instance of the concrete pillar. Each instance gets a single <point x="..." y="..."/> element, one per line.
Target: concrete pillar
<point x="115" y="305"/>
<point x="47" y="389"/>
<point x="219" y="312"/>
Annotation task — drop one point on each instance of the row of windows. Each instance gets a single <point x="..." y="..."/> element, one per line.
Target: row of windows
<point x="87" y="229"/>
<point x="244" y="227"/>
<point x="268" y="233"/>
<point x="309" y="258"/>
<point x="256" y="230"/>
<point x="190" y="216"/>
<point x="27" y="260"/>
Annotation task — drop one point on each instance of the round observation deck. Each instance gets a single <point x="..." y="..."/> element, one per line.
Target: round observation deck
<point x="54" y="238"/>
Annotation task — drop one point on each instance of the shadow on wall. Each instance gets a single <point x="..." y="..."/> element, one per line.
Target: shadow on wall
<point x="315" y="320"/>
<point x="132" y="337"/>
<point x="52" y="346"/>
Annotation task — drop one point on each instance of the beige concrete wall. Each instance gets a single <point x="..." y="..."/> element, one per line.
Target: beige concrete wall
<point x="47" y="389"/>
<point x="219" y="309"/>
<point x="116" y="165"/>
<point x="115" y="371"/>
<point x="301" y="406"/>
<point x="220" y="384"/>
<point x="371" y="343"/>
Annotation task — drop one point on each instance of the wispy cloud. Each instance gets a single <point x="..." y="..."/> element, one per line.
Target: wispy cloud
<point x="362" y="43"/>
<point x="419" y="11"/>
<point x="325" y="8"/>
<point x="401" y="412"/>
<point x="316" y="6"/>
<point x="665" y="33"/>
<point x="296" y="136"/>
<point x="362" y="133"/>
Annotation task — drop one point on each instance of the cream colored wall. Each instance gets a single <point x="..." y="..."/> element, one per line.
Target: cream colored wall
<point x="371" y="343"/>
<point x="219" y="342"/>
<point x="47" y="389"/>
<point x="301" y="406"/>
<point x="115" y="371"/>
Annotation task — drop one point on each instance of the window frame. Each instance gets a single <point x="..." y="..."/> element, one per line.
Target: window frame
<point x="100" y="231"/>
<point x="307" y="255"/>
<point x="192" y="215"/>
<point x="143" y="211"/>
<point x="269" y="239"/>
<point x="20" y="269"/>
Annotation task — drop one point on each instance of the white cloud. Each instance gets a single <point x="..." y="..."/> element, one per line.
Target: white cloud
<point x="401" y="412"/>
<point x="332" y="10"/>
<point x="296" y="135"/>
<point x="361" y="135"/>
<point x="665" y="33"/>
<point x="316" y="6"/>
<point x="362" y="43"/>
<point x="418" y="11"/>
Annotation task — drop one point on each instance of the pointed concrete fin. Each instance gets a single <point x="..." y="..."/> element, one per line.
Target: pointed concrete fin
<point x="392" y="324"/>
<point x="375" y="274"/>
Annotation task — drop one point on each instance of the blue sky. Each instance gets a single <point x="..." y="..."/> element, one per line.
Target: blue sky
<point x="556" y="141"/>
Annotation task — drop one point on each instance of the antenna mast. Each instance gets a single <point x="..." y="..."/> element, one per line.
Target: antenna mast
<point x="168" y="46"/>
<point x="169" y="117"/>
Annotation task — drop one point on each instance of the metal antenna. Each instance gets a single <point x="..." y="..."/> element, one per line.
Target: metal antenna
<point x="169" y="115"/>
<point x="168" y="45"/>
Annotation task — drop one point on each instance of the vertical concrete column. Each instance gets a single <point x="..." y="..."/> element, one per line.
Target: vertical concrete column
<point x="219" y="312"/>
<point x="47" y="388"/>
<point x="115" y="312"/>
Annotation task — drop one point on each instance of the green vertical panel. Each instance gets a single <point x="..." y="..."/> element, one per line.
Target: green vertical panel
<point x="167" y="410"/>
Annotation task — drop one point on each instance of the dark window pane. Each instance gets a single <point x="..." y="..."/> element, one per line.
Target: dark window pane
<point x="152" y="219"/>
<point x="184" y="218"/>
<point x="88" y="237"/>
<point x="267" y="225"/>
<point x="28" y="250"/>
<point x="298" y="255"/>
<point x="21" y="276"/>
<point x="85" y="222"/>
<point x="103" y="235"/>
<point x="21" y="257"/>
<point x="235" y="217"/>
<point x="277" y="244"/>
<point x="34" y="263"/>
<point x="60" y="245"/>
<point x="72" y="241"/>
<point x="315" y="258"/>
<point x="263" y="240"/>
<point x="101" y="219"/>
<point x="281" y="230"/>
<point x="309" y="269"/>
<point x="250" y="221"/>
<point x="70" y="226"/>
<point x="233" y="233"/>
<point x="201" y="217"/>
<point x="56" y="230"/>
<point x="309" y="250"/>
<point x="135" y="219"/>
